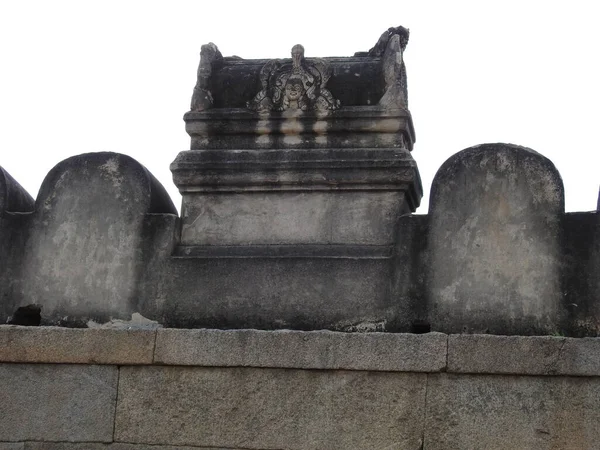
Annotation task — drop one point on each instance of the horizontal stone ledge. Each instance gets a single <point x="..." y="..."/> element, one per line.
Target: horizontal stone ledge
<point x="58" y="345"/>
<point x="313" y="251"/>
<point x="98" y="446"/>
<point x="524" y="355"/>
<point x="318" y="350"/>
<point x="323" y="350"/>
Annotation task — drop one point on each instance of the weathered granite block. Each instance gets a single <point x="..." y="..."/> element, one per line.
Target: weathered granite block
<point x="531" y="355"/>
<point x="409" y="272"/>
<point x="510" y="412"/>
<point x="13" y="197"/>
<point x="294" y="218"/>
<point x="526" y="355"/>
<point x="358" y="127"/>
<point x="82" y="259"/>
<point x="302" y="350"/>
<point x="15" y="206"/>
<point x="12" y="446"/>
<point x="494" y="243"/>
<point x="81" y="346"/>
<point x="581" y="266"/>
<point x="294" y="197"/>
<point x="306" y="292"/>
<point x="96" y="446"/>
<point x="57" y="402"/>
<point x="270" y="408"/>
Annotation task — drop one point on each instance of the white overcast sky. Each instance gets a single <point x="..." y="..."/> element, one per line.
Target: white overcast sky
<point x="86" y="76"/>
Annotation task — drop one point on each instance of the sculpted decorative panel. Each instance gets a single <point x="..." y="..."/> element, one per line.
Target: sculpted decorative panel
<point x="296" y="85"/>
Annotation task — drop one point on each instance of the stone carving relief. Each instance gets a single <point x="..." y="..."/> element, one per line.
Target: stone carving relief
<point x="297" y="85"/>
<point x="202" y="98"/>
<point x="390" y="47"/>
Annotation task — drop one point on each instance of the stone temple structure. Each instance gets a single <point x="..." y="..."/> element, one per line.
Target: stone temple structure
<point x="298" y="302"/>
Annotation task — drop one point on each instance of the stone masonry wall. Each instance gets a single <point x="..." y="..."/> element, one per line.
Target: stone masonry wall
<point x="496" y="254"/>
<point x="93" y="389"/>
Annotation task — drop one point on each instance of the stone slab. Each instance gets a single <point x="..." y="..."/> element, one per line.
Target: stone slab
<point x="15" y="206"/>
<point x="539" y="355"/>
<point x="581" y="266"/>
<point x="302" y="350"/>
<point x="57" y="402"/>
<point x="256" y="218"/>
<point x="270" y="408"/>
<point x="579" y="357"/>
<point x="97" y="446"/>
<point x="75" y="345"/>
<point x="327" y="196"/>
<point x="494" y="243"/>
<point x="503" y="354"/>
<point x="510" y="412"/>
<point x="12" y="446"/>
<point x="313" y="293"/>
<point x="87" y="239"/>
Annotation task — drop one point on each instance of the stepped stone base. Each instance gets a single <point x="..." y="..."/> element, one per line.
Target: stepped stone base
<point x="176" y="389"/>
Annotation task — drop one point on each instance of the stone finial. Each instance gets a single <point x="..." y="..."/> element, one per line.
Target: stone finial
<point x="296" y="85"/>
<point x="202" y="97"/>
<point x="391" y="47"/>
<point x="384" y="39"/>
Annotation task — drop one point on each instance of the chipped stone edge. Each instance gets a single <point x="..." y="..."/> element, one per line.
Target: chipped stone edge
<point x="310" y="350"/>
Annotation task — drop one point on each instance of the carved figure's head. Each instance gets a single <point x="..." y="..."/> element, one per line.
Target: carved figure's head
<point x="294" y="88"/>
<point x="297" y="55"/>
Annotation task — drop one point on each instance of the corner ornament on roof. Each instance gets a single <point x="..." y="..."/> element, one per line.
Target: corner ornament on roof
<point x="296" y="85"/>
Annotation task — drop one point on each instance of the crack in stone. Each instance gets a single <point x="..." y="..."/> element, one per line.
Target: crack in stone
<point x="552" y="367"/>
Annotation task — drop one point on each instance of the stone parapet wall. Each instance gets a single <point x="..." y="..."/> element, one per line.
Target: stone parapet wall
<point x="305" y="240"/>
<point x="248" y="389"/>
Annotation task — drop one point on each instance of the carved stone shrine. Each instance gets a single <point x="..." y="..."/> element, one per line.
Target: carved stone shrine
<point x="300" y="157"/>
<point x="298" y="190"/>
<point x="302" y="165"/>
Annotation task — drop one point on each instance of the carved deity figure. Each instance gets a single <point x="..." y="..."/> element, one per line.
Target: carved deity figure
<point x="300" y="85"/>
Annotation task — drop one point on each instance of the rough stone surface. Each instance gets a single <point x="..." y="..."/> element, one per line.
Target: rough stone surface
<point x="302" y="350"/>
<point x="299" y="218"/>
<point x="82" y="346"/>
<point x="57" y="402"/>
<point x="509" y="412"/>
<point x="365" y="127"/>
<point x="307" y="293"/>
<point x="579" y="357"/>
<point x="508" y="354"/>
<point x="15" y="208"/>
<point x="82" y="259"/>
<point x="333" y="196"/>
<point x="540" y="355"/>
<point x="13" y="197"/>
<point x="494" y="243"/>
<point x="408" y="276"/>
<point x="96" y="446"/>
<point x="12" y="446"/>
<point x="581" y="266"/>
<point x="270" y="408"/>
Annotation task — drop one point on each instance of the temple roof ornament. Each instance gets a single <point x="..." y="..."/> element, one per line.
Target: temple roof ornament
<point x="299" y="84"/>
